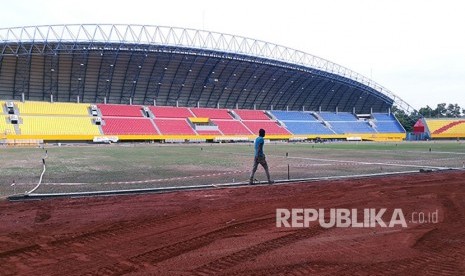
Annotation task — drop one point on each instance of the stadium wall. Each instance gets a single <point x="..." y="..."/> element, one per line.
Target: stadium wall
<point x="378" y="137"/>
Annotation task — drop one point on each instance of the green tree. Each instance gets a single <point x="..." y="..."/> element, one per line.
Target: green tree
<point x="426" y="111"/>
<point x="453" y="111"/>
<point x="406" y="120"/>
<point x="441" y="110"/>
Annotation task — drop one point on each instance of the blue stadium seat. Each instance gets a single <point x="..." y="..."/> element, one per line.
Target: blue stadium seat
<point x="301" y="127"/>
<point x="293" y="116"/>
<point x="383" y="117"/>
<point x="387" y="123"/>
<point x="388" y="127"/>
<point x="338" y="117"/>
<point x="352" y="127"/>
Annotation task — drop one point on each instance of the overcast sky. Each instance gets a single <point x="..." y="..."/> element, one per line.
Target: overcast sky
<point x="414" y="48"/>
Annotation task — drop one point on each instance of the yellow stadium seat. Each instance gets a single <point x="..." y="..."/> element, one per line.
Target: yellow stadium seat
<point x="457" y="129"/>
<point x="443" y="128"/>
<point x="5" y="127"/>
<point x="434" y="125"/>
<point x="44" y="125"/>
<point x="46" y="108"/>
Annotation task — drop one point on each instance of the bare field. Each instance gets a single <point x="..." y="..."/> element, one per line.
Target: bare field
<point x="233" y="231"/>
<point x="79" y="168"/>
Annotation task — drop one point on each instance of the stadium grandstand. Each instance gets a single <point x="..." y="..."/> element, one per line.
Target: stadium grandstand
<point x="448" y="128"/>
<point x="138" y="82"/>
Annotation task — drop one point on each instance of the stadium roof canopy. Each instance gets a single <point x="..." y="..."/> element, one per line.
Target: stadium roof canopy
<point x="142" y="64"/>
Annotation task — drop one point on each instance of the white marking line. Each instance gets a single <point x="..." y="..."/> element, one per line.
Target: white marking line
<point x="150" y="180"/>
<point x="305" y="165"/>
<point x="368" y="163"/>
<point x="395" y="150"/>
<point x="425" y="160"/>
<point x="440" y="152"/>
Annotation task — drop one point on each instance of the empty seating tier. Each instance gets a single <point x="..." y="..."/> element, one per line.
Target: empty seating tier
<point x="338" y="117"/>
<point x="383" y="117"/>
<point x="446" y="127"/>
<point x="3" y="109"/>
<point x="212" y="113"/>
<point x="454" y="129"/>
<point x="387" y="123"/>
<point x="351" y="127"/>
<point x="231" y="127"/>
<point x="5" y="126"/>
<point x="43" y="118"/>
<point x="293" y="116"/>
<point x="270" y="127"/>
<point x="43" y="125"/>
<point x="45" y="108"/>
<point x="128" y="126"/>
<point x="388" y="127"/>
<point x="121" y="110"/>
<point x="434" y="125"/>
<point x="251" y="114"/>
<point x="174" y="127"/>
<point x="302" y="127"/>
<point x="171" y="112"/>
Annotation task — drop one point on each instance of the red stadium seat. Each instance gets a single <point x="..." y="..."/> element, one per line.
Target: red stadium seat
<point x="270" y="127"/>
<point x="121" y="126"/>
<point x="171" y="112"/>
<point x="121" y="110"/>
<point x="232" y="127"/>
<point x="212" y="113"/>
<point x="174" y="127"/>
<point x="251" y="114"/>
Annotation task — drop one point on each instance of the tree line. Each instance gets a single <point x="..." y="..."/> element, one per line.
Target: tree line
<point x="442" y="110"/>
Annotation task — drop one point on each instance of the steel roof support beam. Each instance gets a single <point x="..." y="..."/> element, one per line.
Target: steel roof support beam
<point x="22" y="77"/>
<point x="187" y="39"/>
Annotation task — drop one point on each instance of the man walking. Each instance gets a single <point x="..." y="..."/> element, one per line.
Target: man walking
<point x="259" y="157"/>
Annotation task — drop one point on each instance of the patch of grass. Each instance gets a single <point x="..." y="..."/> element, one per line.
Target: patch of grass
<point x="211" y="163"/>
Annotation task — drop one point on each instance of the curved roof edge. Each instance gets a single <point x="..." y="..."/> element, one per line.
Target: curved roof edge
<point x="183" y="37"/>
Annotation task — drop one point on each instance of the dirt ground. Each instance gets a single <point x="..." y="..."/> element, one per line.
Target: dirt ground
<point x="232" y="231"/>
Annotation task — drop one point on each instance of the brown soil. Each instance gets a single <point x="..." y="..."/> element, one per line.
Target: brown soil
<point x="233" y="231"/>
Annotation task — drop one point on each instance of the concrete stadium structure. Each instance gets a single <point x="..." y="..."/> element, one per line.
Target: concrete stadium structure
<point x="435" y="128"/>
<point x="164" y="66"/>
